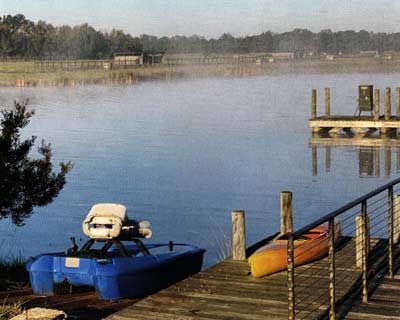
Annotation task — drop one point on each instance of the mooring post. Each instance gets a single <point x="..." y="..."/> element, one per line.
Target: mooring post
<point x="390" y="231"/>
<point x="398" y="102"/>
<point x="313" y="103"/>
<point x="286" y="212"/>
<point x="238" y="235"/>
<point x="396" y="219"/>
<point x="387" y="103"/>
<point x="332" y="270"/>
<point x="376" y="104"/>
<point x="327" y="102"/>
<point x="364" y="216"/>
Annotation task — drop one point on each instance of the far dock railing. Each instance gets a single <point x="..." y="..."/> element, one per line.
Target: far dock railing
<point x="369" y="229"/>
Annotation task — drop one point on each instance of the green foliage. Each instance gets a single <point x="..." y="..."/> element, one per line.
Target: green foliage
<point x="22" y="38"/>
<point x="25" y="182"/>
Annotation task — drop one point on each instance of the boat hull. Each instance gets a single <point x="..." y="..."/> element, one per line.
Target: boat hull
<point x="115" y="277"/>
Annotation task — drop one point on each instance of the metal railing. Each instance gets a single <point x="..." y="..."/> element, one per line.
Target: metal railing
<point x="360" y="243"/>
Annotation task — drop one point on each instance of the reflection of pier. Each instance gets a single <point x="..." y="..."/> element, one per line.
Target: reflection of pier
<point x="369" y="153"/>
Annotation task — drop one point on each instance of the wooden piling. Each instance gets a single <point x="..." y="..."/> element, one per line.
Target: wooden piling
<point x="396" y="219"/>
<point x="286" y="212"/>
<point x="238" y="235"/>
<point x="387" y="104"/>
<point x="376" y="104"/>
<point x="327" y="102"/>
<point x="398" y="102"/>
<point x="313" y="103"/>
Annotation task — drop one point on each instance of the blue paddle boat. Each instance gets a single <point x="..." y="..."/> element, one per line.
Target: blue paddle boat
<point x="114" y="268"/>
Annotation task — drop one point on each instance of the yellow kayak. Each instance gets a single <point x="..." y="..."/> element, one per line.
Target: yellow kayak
<point x="272" y="257"/>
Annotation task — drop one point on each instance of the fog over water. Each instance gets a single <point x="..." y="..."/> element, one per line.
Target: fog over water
<point x="185" y="153"/>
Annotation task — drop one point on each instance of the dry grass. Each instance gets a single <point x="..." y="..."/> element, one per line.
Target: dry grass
<point x="27" y="74"/>
<point x="8" y="311"/>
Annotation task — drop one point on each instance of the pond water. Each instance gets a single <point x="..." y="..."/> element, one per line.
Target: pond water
<point x="185" y="153"/>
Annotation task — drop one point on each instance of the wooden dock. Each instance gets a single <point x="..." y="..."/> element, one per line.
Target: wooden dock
<point x="342" y="285"/>
<point x="227" y="291"/>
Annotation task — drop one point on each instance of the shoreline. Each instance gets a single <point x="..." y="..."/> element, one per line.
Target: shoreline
<point x="22" y="74"/>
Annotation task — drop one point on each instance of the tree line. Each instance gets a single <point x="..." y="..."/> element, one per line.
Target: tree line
<point x="25" y="39"/>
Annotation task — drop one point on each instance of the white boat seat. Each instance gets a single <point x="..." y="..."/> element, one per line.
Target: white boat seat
<point x="106" y="221"/>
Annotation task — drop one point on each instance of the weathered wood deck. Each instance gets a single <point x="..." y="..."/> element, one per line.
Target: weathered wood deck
<point x="359" y="124"/>
<point x="227" y="291"/>
<point x="384" y="302"/>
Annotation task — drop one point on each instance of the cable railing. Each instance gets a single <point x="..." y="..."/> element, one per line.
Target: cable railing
<point x="355" y="244"/>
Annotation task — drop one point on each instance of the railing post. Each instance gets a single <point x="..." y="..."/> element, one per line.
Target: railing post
<point x="390" y="231"/>
<point x="364" y="252"/>
<point x="290" y="277"/>
<point x="396" y="219"/>
<point x="332" y="287"/>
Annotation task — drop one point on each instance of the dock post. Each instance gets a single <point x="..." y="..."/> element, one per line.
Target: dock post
<point x="387" y="104"/>
<point x="286" y="212"/>
<point x="332" y="269"/>
<point x="238" y="235"/>
<point x="327" y="102"/>
<point x="396" y="220"/>
<point x="313" y="103"/>
<point x="390" y="231"/>
<point x="398" y="102"/>
<point x="376" y="104"/>
<point x="364" y="216"/>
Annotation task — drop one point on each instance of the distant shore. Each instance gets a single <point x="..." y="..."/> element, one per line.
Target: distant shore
<point x="23" y="74"/>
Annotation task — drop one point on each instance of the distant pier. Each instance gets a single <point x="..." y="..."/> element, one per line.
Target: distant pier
<point x="360" y="125"/>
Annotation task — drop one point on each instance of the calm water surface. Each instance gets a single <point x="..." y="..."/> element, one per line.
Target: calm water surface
<point x="184" y="154"/>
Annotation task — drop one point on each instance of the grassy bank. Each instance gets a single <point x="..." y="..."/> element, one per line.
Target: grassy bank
<point x="26" y="74"/>
<point x="13" y="274"/>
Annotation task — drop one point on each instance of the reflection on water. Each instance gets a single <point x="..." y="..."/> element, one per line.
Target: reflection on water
<point x="184" y="154"/>
<point x="370" y="151"/>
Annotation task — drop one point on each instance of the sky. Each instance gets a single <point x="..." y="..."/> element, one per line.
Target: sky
<point x="212" y="18"/>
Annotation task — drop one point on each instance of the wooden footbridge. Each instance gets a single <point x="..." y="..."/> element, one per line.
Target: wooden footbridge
<point x="357" y="279"/>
